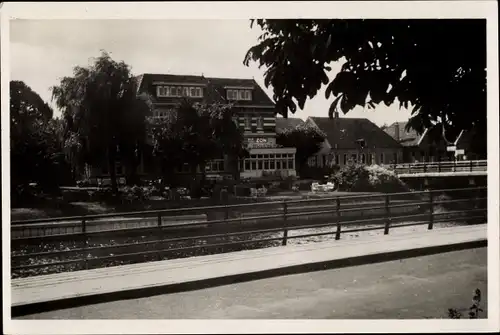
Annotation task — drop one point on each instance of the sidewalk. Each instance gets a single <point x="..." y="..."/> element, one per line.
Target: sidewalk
<point x="49" y="292"/>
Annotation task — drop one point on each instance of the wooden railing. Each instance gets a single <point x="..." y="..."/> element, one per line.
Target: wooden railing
<point x="229" y="228"/>
<point x="439" y="167"/>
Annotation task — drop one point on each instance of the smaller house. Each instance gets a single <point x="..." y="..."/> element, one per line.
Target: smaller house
<point x="430" y="146"/>
<point x="353" y="140"/>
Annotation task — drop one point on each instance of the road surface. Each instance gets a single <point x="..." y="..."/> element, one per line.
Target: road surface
<point x="414" y="288"/>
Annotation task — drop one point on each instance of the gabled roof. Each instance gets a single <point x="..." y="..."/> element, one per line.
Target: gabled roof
<point x="344" y="133"/>
<point x="406" y="138"/>
<point x="215" y="88"/>
<point x="287" y="123"/>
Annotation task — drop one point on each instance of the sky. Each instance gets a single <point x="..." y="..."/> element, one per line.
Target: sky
<point x="44" y="51"/>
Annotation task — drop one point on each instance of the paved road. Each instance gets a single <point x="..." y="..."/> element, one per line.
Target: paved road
<point x="423" y="287"/>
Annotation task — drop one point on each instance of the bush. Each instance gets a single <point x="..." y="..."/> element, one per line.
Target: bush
<point x="136" y="193"/>
<point x="373" y="178"/>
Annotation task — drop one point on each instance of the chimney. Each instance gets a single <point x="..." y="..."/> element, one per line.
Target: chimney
<point x="396" y="131"/>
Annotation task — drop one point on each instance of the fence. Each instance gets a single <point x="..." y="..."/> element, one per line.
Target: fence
<point x="443" y="166"/>
<point x="230" y="228"/>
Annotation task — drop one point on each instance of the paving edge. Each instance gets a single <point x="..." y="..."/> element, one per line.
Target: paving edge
<point x="40" y="307"/>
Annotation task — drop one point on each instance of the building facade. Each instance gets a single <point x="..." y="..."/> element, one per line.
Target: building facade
<point x="429" y="146"/>
<point x="353" y="140"/>
<point x="255" y="115"/>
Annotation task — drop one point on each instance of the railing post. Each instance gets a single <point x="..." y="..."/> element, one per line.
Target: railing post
<point x="160" y="235"/>
<point x="85" y="241"/>
<point x="226" y="213"/>
<point x="439" y="165"/>
<point x="470" y="165"/>
<point x="409" y="168"/>
<point x="455" y="165"/>
<point x="425" y="167"/>
<point x="337" y="211"/>
<point x="431" y="211"/>
<point x="285" y="230"/>
<point x="387" y="215"/>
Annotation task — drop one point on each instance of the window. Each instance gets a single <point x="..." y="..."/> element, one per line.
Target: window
<point x="382" y="158"/>
<point x="278" y="165"/>
<point x="235" y="94"/>
<point x="230" y="95"/>
<point x="266" y="165"/>
<point x="260" y="123"/>
<point x="248" y="122"/>
<point x="247" y="165"/>
<point x="179" y="91"/>
<point x="290" y="164"/>
<point x="422" y="154"/>
<point x="160" y="91"/>
<point x="272" y="166"/>
<point x="337" y="160"/>
<point x="260" y="165"/>
<point x="345" y="159"/>
<point x="254" y="165"/>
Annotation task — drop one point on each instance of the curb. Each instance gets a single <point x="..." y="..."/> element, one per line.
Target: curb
<point x="39" y="307"/>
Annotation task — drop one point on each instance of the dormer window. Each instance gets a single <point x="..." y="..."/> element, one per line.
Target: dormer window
<point x="179" y="91"/>
<point x="239" y="94"/>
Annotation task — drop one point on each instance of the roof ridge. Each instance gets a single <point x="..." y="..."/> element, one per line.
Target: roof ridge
<point x="197" y="75"/>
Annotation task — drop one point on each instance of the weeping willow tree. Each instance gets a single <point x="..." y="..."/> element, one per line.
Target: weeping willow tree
<point x="105" y="117"/>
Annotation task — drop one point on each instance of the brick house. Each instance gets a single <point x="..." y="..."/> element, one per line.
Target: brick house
<point x="426" y="147"/>
<point x="356" y="140"/>
<point x="255" y="114"/>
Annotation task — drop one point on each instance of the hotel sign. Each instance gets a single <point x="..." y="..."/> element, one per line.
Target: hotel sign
<point x="260" y="143"/>
<point x="257" y="140"/>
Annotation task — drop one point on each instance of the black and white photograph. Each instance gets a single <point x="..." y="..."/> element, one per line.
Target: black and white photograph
<point x="250" y="164"/>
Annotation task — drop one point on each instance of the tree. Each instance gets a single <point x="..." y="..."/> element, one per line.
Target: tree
<point x="105" y="118"/>
<point x="305" y="138"/>
<point x="195" y="134"/>
<point x="36" y="146"/>
<point x="438" y="67"/>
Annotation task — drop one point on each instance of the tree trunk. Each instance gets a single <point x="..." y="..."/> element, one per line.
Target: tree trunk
<point x="112" y="170"/>
<point x="232" y="162"/>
